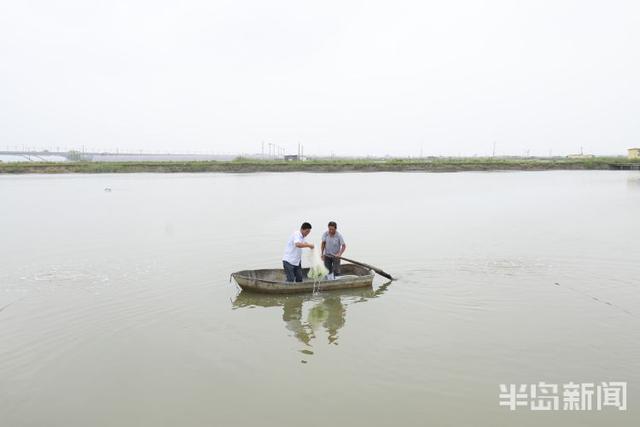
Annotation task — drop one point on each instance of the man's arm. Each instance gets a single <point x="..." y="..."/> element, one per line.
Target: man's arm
<point x="324" y="243"/>
<point x="342" y="249"/>
<point x="300" y="243"/>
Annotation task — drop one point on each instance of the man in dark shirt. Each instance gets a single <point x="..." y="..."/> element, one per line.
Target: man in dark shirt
<point x="332" y="246"/>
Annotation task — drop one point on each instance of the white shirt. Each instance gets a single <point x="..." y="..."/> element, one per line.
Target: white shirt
<point x="292" y="253"/>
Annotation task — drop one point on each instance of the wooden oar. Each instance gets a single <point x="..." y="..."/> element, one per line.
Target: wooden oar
<point x="376" y="269"/>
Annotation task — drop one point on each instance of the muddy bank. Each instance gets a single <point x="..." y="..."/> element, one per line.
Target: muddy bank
<point x="248" y="166"/>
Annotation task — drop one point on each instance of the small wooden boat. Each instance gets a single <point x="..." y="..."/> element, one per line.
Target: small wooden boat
<point x="274" y="281"/>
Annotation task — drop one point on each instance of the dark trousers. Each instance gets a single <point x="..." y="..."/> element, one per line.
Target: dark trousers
<point x="293" y="272"/>
<point x="332" y="264"/>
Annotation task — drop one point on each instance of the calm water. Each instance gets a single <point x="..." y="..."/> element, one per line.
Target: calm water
<point x="116" y="307"/>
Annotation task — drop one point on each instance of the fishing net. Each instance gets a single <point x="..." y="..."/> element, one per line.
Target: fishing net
<point x="317" y="271"/>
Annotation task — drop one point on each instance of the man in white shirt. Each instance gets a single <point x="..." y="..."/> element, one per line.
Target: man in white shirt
<point x="292" y="258"/>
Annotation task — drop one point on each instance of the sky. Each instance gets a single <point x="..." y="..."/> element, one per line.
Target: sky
<point x="352" y="78"/>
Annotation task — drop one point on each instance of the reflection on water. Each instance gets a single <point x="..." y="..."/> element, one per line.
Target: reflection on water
<point x="306" y="314"/>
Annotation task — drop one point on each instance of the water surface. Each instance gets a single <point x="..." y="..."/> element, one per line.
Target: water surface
<point x="116" y="307"/>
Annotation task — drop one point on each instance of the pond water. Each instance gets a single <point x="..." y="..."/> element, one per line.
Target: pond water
<point x="116" y="306"/>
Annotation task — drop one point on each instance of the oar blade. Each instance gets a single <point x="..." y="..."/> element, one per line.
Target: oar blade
<point x="384" y="274"/>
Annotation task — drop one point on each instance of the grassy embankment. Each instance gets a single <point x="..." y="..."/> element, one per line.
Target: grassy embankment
<point x="341" y="165"/>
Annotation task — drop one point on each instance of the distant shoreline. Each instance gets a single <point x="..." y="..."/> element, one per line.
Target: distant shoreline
<point x="328" y="166"/>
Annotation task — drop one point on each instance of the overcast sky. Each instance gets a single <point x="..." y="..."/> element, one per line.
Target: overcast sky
<point x="348" y="77"/>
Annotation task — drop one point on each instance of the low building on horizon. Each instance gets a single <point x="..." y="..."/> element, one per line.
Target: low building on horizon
<point x="634" y="153"/>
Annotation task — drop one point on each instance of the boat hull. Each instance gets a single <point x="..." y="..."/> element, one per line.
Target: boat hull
<point x="273" y="281"/>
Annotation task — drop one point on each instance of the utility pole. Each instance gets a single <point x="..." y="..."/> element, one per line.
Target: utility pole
<point x="494" y="149"/>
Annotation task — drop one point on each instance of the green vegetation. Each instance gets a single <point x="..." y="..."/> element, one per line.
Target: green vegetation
<point x="239" y="165"/>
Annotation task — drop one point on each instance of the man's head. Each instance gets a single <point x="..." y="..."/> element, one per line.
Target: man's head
<point x="332" y="227"/>
<point x="305" y="229"/>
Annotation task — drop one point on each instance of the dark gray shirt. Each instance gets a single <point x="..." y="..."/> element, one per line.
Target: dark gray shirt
<point x="332" y="243"/>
